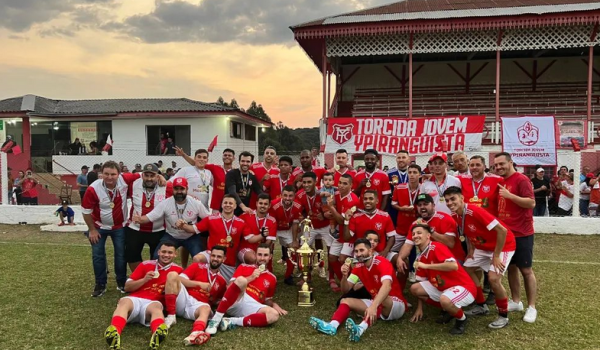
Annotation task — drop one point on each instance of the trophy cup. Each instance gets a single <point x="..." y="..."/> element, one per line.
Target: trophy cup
<point x="306" y="258"/>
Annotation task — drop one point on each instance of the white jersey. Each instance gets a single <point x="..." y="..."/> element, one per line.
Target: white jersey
<point x="437" y="191"/>
<point x="199" y="182"/>
<point x="170" y="212"/>
<point x="141" y="205"/>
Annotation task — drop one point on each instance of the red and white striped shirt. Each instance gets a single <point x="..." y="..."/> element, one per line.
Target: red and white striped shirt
<point x="108" y="209"/>
<point x="142" y="205"/>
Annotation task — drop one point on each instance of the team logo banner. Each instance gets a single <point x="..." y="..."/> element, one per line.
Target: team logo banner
<point x="388" y="135"/>
<point x="530" y="140"/>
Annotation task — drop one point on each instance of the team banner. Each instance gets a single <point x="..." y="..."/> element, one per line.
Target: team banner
<point x="388" y="135"/>
<point x="530" y="140"/>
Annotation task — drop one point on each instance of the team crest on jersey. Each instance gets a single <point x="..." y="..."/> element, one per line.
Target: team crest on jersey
<point x="376" y="182"/>
<point x="233" y="230"/>
<point x="190" y="213"/>
<point x="266" y="283"/>
<point x="376" y="278"/>
<point x="159" y="198"/>
<point x="486" y="189"/>
<point x="379" y="225"/>
<point x="472" y="227"/>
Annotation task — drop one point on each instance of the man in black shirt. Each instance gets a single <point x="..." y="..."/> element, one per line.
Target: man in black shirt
<point x="541" y="189"/>
<point x="93" y="175"/>
<point x="241" y="183"/>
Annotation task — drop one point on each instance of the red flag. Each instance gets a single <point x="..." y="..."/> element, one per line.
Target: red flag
<point x="213" y="143"/>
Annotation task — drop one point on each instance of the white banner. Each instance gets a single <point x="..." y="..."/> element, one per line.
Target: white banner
<point x="530" y="140"/>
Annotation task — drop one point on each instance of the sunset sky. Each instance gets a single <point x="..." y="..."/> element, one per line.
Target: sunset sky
<point x="242" y="49"/>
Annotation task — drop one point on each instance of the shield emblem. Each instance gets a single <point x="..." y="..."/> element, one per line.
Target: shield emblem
<point x="379" y="225"/>
<point x="342" y="133"/>
<point x="486" y="189"/>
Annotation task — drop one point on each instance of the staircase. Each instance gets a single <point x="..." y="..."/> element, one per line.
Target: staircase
<point x="50" y="189"/>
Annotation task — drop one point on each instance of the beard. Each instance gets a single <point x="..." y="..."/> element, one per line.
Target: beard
<point x="214" y="265"/>
<point x="179" y="197"/>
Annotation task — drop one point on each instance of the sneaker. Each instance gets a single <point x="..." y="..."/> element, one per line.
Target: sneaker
<point x="512" y="306"/>
<point x="211" y="328"/>
<point x="170" y="320"/>
<point x="412" y="277"/>
<point x="289" y="281"/>
<point x="491" y="299"/>
<point x="530" y="315"/>
<point x="354" y="330"/>
<point x="113" y="338"/>
<point x="99" y="290"/>
<point x="322" y="326"/>
<point x="196" y="338"/>
<point x="226" y="324"/>
<point x="478" y="310"/>
<point x="500" y="322"/>
<point x="158" y="337"/>
<point x="459" y="327"/>
<point x="444" y="318"/>
<point x="322" y="272"/>
<point x="121" y="287"/>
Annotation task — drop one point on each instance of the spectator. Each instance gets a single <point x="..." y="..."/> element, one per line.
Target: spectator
<point x="125" y="169"/>
<point x="8" y="145"/>
<point x="594" y="196"/>
<point x="169" y="147"/>
<point x="315" y="157"/>
<point x="586" y="170"/>
<point x="82" y="181"/>
<point x="121" y="165"/>
<point x="18" y="187"/>
<point x="11" y="185"/>
<point x="160" y="167"/>
<point x="93" y="175"/>
<point x="65" y="212"/>
<point x="174" y="166"/>
<point x="94" y="148"/>
<point x="565" y="201"/>
<point x="584" y="191"/>
<point x="138" y="168"/>
<point x="541" y="189"/>
<point x="75" y="147"/>
<point x="169" y="173"/>
<point x="29" y="192"/>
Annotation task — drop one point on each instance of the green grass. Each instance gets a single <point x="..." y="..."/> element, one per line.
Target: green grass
<point x="47" y="278"/>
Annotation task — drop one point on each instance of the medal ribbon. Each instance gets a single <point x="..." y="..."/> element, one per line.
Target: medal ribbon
<point x="227" y="230"/>
<point x="423" y="252"/>
<point x="111" y="194"/>
<point x="441" y="189"/>
<point x="411" y="197"/>
<point x="402" y="176"/>
<point x="461" y="228"/>
<point x="202" y="175"/>
<point x="309" y="200"/>
<point x="149" y="196"/>
<point x="181" y="211"/>
<point x="263" y="224"/>
<point x="476" y="190"/>
<point x="244" y="183"/>
<point x="282" y="184"/>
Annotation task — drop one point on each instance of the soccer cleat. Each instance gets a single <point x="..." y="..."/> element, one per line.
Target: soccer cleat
<point x="530" y="315"/>
<point x="289" y="281"/>
<point x="354" y="330"/>
<point x="99" y="290"/>
<point x="158" y="337"/>
<point x="113" y="338"/>
<point x="170" y="320"/>
<point x="412" y="277"/>
<point x="512" y="306"/>
<point x="322" y="272"/>
<point x="212" y="326"/>
<point x="121" y="287"/>
<point x="226" y="324"/>
<point x="196" y="338"/>
<point x="444" y="318"/>
<point x="478" y="310"/>
<point x="459" y="327"/>
<point x="500" y="322"/>
<point x="322" y="326"/>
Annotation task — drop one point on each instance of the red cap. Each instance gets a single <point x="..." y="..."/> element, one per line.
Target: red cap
<point x="590" y="175"/>
<point x="181" y="182"/>
<point x="441" y="155"/>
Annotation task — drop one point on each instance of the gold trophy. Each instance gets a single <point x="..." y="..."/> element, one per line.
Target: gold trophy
<point x="306" y="259"/>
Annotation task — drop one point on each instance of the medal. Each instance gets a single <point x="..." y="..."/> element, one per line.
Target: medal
<point x="462" y="238"/>
<point x="156" y="274"/>
<point x="147" y="204"/>
<point x="262" y="268"/>
<point x="475" y="199"/>
<point x="111" y="205"/>
<point x="203" y="188"/>
<point x="348" y="261"/>
<point x="442" y="200"/>
<point x="368" y="184"/>
<point x="243" y="193"/>
<point x="229" y="239"/>
<point x="352" y="210"/>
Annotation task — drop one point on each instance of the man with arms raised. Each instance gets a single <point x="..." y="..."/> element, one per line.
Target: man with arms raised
<point x="387" y="301"/>
<point x="515" y="209"/>
<point x="341" y="168"/>
<point x="373" y="179"/>
<point x="439" y="181"/>
<point x="143" y="305"/>
<point x="249" y="297"/>
<point x="260" y="228"/>
<point x="241" y="183"/>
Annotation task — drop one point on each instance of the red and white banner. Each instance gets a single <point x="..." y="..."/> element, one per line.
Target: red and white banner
<point x="388" y="135"/>
<point x="530" y="140"/>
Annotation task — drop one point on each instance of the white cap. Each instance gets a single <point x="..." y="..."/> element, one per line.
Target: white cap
<point x="539" y="170"/>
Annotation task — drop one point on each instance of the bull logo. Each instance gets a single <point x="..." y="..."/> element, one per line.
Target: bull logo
<point x="342" y="133"/>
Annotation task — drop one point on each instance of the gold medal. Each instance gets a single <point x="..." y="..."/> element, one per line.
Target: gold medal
<point x="352" y="210"/>
<point x="203" y="189"/>
<point x="462" y="238"/>
<point x="243" y="193"/>
<point x="156" y="274"/>
<point x="229" y="239"/>
<point x="147" y="204"/>
<point x="475" y="199"/>
<point x="111" y="205"/>
<point x="368" y="184"/>
<point x="348" y="261"/>
<point x="262" y="268"/>
<point x="442" y="200"/>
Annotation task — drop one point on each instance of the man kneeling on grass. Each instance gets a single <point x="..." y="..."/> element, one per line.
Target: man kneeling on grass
<point x="379" y="278"/>
<point x="143" y="305"/>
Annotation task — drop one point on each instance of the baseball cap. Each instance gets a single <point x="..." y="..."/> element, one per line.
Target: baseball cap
<point x="180" y="182"/>
<point x="590" y="175"/>
<point x="85" y="167"/>
<point x="540" y="170"/>
<point x="424" y="197"/>
<point x="138" y="165"/>
<point x="443" y="156"/>
<point x="151" y="168"/>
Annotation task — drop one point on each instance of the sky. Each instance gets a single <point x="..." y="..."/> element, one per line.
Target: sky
<point x="198" y="49"/>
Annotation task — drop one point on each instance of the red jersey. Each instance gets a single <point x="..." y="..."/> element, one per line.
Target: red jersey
<point x="438" y="253"/>
<point x="403" y="196"/>
<point x="312" y="207"/>
<point x="153" y="289"/>
<point x="201" y="273"/>
<point x="342" y="205"/>
<point x="379" y="221"/>
<point x="254" y="224"/>
<point x="218" y="230"/>
<point x="107" y="208"/>
<point x="275" y="184"/>
<point x="317" y="170"/>
<point x="142" y="205"/>
<point x="284" y="217"/>
<point x="483" y="193"/>
<point x="379" y="182"/>
<point x="443" y="224"/>
<point x="338" y="174"/>
<point x="262" y="288"/>
<point x="519" y="220"/>
<point x="479" y="226"/>
<point x="28" y="187"/>
<point x="218" y="191"/>
<point x="373" y="276"/>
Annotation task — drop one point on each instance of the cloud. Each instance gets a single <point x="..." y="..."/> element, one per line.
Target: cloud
<point x="242" y="21"/>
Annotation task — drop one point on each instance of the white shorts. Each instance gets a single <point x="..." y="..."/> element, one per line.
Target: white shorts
<point x="348" y="249"/>
<point x="391" y="255"/>
<point x="285" y="237"/>
<point x="227" y="271"/>
<point x="187" y="304"/>
<point x="206" y="254"/>
<point x="483" y="259"/>
<point x="241" y="254"/>
<point x="322" y="233"/>
<point x="138" y="314"/>
<point x="336" y="248"/>
<point x="398" y="309"/>
<point x="399" y="242"/>
<point x="245" y="306"/>
<point x="459" y="295"/>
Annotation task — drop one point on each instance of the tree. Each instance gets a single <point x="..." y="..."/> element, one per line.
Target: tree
<point x="234" y="104"/>
<point x="221" y="102"/>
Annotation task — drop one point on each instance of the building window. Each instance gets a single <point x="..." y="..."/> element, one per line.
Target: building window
<point x="161" y="139"/>
<point x="236" y="130"/>
<point x="249" y="132"/>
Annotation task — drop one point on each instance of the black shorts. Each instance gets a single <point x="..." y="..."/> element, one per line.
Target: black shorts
<point x="134" y="243"/>
<point x="524" y="253"/>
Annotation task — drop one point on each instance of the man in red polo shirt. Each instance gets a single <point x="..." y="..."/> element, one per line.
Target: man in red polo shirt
<point x="306" y="166"/>
<point x="275" y="184"/>
<point x="515" y="209"/>
<point x="373" y="179"/>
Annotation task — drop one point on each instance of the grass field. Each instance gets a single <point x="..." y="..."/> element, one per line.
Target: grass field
<point x="47" y="278"/>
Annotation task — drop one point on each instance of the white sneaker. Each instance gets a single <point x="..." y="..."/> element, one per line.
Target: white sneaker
<point x="412" y="277"/>
<point x="530" y="315"/>
<point x="512" y="306"/>
<point x="322" y="272"/>
<point x="212" y="326"/>
<point x="170" y="320"/>
<point x="500" y="322"/>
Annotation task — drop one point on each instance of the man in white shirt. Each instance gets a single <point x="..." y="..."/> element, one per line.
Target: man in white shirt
<point x="198" y="177"/>
<point x="439" y="181"/>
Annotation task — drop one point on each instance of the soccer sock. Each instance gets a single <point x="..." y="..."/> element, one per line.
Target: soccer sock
<point x="119" y="323"/>
<point x="460" y="315"/>
<point x="171" y="303"/>
<point x="341" y="314"/>
<point x="480" y="299"/>
<point x="198" y="326"/>
<point x="336" y="266"/>
<point x="289" y="269"/>
<point x="154" y="324"/>
<point x="255" y="320"/>
<point x="502" y="305"/>
<point x="433" y="303"/>
<point x="231" y="295"/>
<point x="367" y="322"/>
<point x="363" y="327"/>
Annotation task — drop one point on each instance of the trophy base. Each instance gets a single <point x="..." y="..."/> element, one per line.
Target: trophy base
<point x="305" y="298"/>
